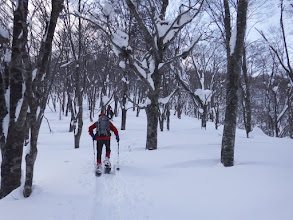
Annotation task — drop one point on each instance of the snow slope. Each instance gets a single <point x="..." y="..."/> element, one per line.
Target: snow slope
<point x="182" y="179"/>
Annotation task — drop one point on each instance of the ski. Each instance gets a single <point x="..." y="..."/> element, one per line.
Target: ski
<point x="98" y="172"/>
<point x="107" y="170"/>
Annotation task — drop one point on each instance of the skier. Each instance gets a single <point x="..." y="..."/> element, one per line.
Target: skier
<point x="103" y="127"/>
<point x="109" y="112"/>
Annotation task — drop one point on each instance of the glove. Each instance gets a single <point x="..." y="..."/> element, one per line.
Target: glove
<point x="93" y="137"/>
<point x="117" y="138"/>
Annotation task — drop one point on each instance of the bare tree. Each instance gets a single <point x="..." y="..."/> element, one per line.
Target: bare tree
<point x="148" y="60"/>
<point x="12" y="148"/>
<point x="34" y="95"/>
<point x="282" y="53"/>
<point x="158" y="43"/>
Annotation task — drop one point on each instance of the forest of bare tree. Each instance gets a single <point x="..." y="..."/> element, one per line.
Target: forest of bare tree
<point x="197" y="59"/>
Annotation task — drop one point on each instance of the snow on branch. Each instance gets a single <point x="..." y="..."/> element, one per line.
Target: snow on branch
<point x="168" y="32"/>
<point x="107" y="9"/>
<point x="186" y="88"/>
<point x="47" y="30"/>
<point x="205" y="95"/>
<point x="120" y="41"/>
<point x="66" y="64"/>
<point x="232" y="42"/>
<point x="168" y="98"/>
<point x="3" y="33"/>
<point x="286" y="107"/>
<point x="145" y="104"/>
<point x="143" y="71"/>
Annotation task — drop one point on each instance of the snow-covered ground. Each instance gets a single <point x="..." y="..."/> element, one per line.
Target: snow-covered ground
<point x="182" y="179"/>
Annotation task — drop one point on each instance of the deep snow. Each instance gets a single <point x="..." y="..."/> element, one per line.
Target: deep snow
<point x="182" y="179"/>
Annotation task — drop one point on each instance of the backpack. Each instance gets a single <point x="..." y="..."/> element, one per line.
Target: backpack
<point x="103" y="126"/>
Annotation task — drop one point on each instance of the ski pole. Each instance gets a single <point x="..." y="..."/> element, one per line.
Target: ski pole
<point x="94" y="152"/>
<point x="118" y="168"/>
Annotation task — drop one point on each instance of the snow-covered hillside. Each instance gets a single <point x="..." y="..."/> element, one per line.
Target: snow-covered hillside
<point x="182" y="179"/>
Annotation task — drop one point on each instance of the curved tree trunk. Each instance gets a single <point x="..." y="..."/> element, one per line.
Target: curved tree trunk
<point x="31" y="157"/>
<point x="38" y="92"/>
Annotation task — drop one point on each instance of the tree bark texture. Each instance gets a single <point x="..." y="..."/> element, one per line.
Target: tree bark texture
<point x="168" y="118"/>
<point x="124" y="110"/>
<point x="234" y="59"/>
<point x="3" y="110"/>
<point x="204" y="116"/>
<point x="123" y="121"/>
<point x="116" y="100"/>
<point x="13" y="148"/>
<point x="152" y="112"/>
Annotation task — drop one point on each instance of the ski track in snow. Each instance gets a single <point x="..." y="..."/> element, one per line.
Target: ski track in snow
<point x="117" y="198"/>
<point x="182" y="179"/>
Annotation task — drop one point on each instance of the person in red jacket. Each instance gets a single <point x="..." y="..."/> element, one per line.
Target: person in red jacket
<point x="103" y="139"/>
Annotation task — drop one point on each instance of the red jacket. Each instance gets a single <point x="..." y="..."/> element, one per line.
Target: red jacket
<point x="112" y="128"/>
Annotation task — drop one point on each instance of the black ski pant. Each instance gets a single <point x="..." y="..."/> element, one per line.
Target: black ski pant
<point x="100" y="148"/>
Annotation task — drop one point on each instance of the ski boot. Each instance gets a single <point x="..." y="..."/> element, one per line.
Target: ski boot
<point x="99" y="170"/>
<point x="107" y="165"/>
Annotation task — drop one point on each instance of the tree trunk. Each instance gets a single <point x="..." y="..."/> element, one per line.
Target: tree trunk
<point x="38" y="93"/>
<point x="137" y="111"/>
<point x="78" y="87"/>
<point x="77" y="133"/>
<point x="31" y="157"/>
<point x="246" y="97"/>
<point x="290" y="104"/>
<point x="228" y="141"/>
<point x="275" y="120"/>
<point x="216" y="117"/>
<point x="168" y="118"/>
<point x="102" y="104"/>
<point x="116" y="99"/>
<point x="123" y="121"/>
<point x="13" y="148"/>
<point x="3" y="110"/>
<point x="152" y="124"/>
<point x="233" y="70"/>
<point x="124" y="110"/>
<point x="161" y="123"/>
<point x="204" y="117"/>
<point x="72" y="114"/>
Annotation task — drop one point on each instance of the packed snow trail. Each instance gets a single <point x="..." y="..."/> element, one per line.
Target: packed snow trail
<point x="118" y="195"/>
<point x="182" y="179"/>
